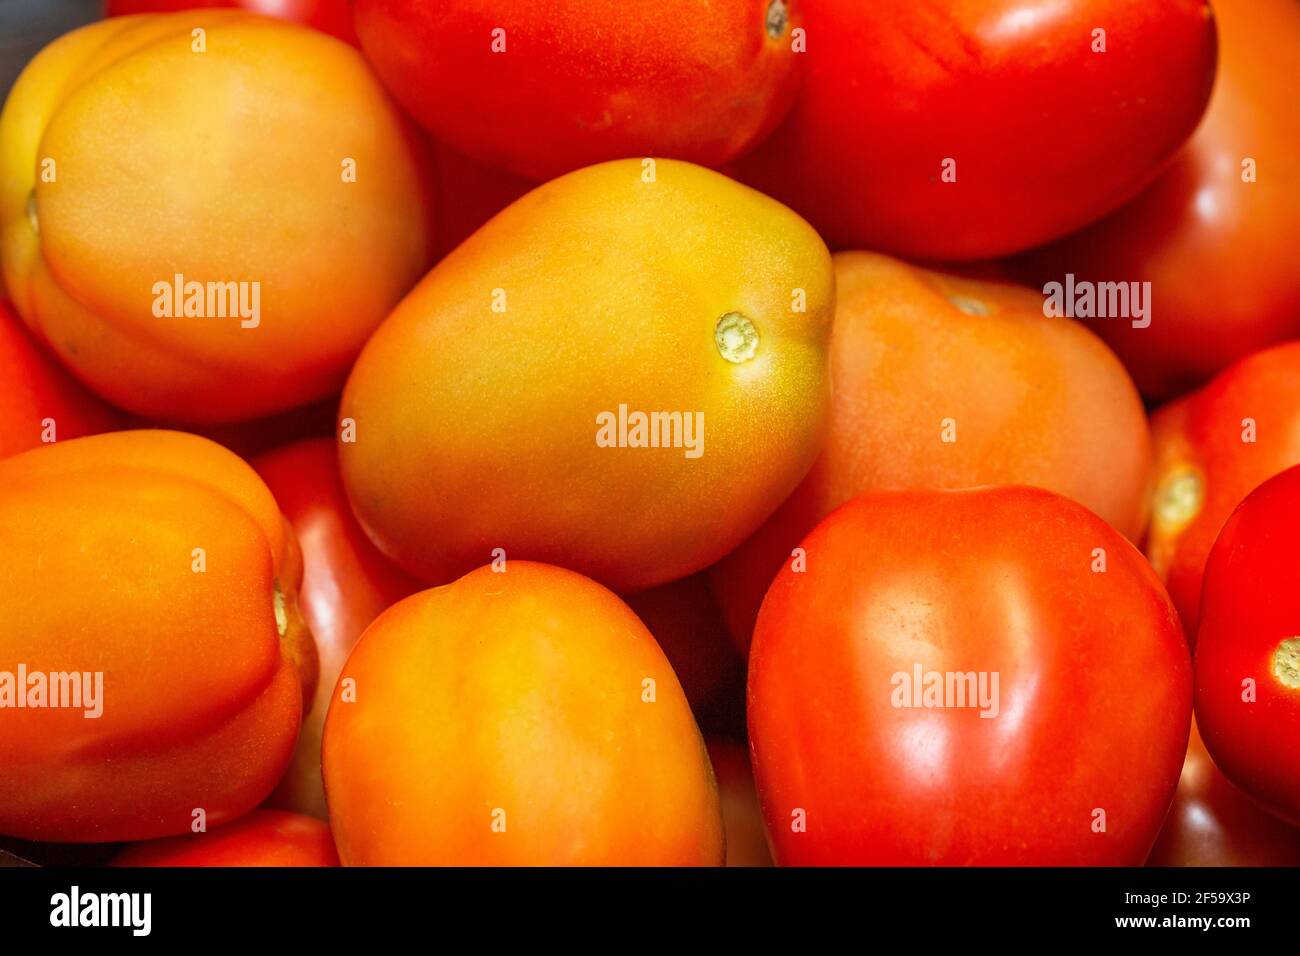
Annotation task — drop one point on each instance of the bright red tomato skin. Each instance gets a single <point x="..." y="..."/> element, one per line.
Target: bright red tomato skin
<point x="1218" y="251"/>
<point x="1094" y="697"/>
<point x="1248" y="646"/>
<point x="1047" y="135"/>
<point x="329" y="16"/>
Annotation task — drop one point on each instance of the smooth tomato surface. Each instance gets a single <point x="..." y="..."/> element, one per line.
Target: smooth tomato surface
<point x="329" y="16"/>
<point x="230" y="169"/>
<point x="1045" y="134"/>
<point x="261" y="838"/>
<point x="1080" y="754"/>
<point x="37" y="397"/>
<point x="1214" y="823"/>
<point x="160" y="561"/>
<point x="542" y="89"/>
<point x="346" y="584"/>
<point x="1218" y="250"/>
<point x="1248" y="647"/>
<point x="1029" y="400"/>
<point x="483" y="421"/>
<point x="504" y="720"/>
<point x="1213" y="448"/>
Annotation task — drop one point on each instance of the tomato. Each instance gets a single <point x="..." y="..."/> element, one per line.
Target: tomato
<point x="990" y="677"/>
<point x="1212" y="823"/>
<point x="1212" y="448"/>
<point x="514" y="718"/>
<point x="741" y="815"/>
<point x="1214" y="239"/>
<point x="154" y="573"/>
<point x="262" y="838"/>
<point x="962" y="129"/>
<point x="481" y="419"/>
<point x="227" y="176"/>
<point x="329" y="16"/>
<point x="688" y="626"/>
<point x="39" y="401"/>
<point x="542" y="89"/>
<point x="944" y="382"/>
<point x="1247" y="648"/>
<point x="346" y="583"/>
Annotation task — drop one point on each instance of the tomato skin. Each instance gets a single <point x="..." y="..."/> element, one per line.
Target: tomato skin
<point x="584" y="81"/>
<point x="346" y="584"/>
<point x="1005" y="85"/>
<point x="1219" y="252"/>
<point x="260" y="838"/>
<point x="205" y="668"/>
<point x="1032" y="401"/>
<point x="501" y="721"/>
<point x="1250" y="631"/>
<point x="1213" y="823"/>
<point x="1094" y="697"/>
<point x="33" y="387"/>
<point x="1204" y="467"/>
<point x="329" y="16"/>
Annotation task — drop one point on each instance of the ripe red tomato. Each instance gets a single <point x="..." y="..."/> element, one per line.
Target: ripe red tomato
<point x="1044" y="135"/>
<point x="1213" y="823"/>
<point x="1248" y="647"/>
<point x="346" y="584"/>
<point x="38" y="399"/>
<point x="1218" y="251"/>
<point x="1062" y="743"/>
<point x="262" y="838"/>
<point x="545" y="88"/>
<point x="1212" y="448"/>
<point x="329" y="16"/>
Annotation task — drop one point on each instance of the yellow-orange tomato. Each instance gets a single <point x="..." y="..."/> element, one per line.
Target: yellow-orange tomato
<point x="151" y="574"/>
<point x="947" y="382"/>
<point x="501" y="405"/>
<point x="262" y="838"/>
<point x="515" y="718"/>
<point x="254" y="165"/>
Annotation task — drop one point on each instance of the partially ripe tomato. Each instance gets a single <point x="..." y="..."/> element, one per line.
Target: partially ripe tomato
<point x="261" y="838"/>
<point x="544" y="88"/>
<point x="1212" y="448"/>
<point x="623" y="374"/>
<point x="946" y="382"/>
<point x="1215" y="234"/>
<point x="986" y="677"/>
<point x="1214" y="823"/>
<point x="520" y="716"/>
<point x="965" y="129"/>
<point x="1248" y="647"/>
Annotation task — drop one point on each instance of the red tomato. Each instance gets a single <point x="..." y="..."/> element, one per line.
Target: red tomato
<point x="1219" y="251"/>
<point x="545" y="88"/>
<point x="1045" y="134"/>
<point x="39" y="401"/>
<point x="1248" y="647"/>
<point x="1212" y="448"/>
<point x="329" y="16"/>
<point x="262" y="838"/>
<point x="1061" y="745"/>
<point x="346" y="584"/>
<point x="1212" y="823"/>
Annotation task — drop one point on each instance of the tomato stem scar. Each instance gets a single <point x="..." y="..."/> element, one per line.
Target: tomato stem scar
<point x="281" y="618"/>
<point x="1179" y="499"/>
<point x="778" y="15"/>
<point x="1286" y="662"/>
<point x="736" y="337"/>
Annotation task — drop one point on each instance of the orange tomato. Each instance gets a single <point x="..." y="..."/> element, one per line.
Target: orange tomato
<point x="1213" y="448"/>
<point x="152" y="573"/>
<point x="516" y="717"/>
<point x="496" y="408"/>
<point x="39" y="401"/>
<point x="262" y="838"/>
<point x="346" y="584"/>
<point x="947" y="382"/>
<point x="252" y="164"/>
<point x="741" y="814"/>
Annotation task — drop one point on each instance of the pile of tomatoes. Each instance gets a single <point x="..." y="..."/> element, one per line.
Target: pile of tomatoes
<point x="500" y="433"/>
